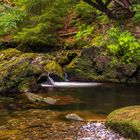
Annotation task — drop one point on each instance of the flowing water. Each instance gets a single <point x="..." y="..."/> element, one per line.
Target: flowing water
<point x="91" y="103"/>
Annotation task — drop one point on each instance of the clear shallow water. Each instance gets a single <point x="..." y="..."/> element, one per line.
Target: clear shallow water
<point x="99" y="100"/>
<point x="92" y="103"/>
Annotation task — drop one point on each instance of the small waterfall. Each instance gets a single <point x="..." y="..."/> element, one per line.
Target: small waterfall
<point x="50" y="80"/>
<point x="66" y="77"/>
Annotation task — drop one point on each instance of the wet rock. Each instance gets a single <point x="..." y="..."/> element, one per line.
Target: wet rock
<point x="56" y="78"/>
<point x="42" y="78"/>
<point x="74" y="117"/>
<point x="102" y="63"/>
<point x="39" y="99"/>
<point x="20" y="72"/>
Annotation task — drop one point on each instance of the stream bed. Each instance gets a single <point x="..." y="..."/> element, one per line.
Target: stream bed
<point x="24" y="119"/>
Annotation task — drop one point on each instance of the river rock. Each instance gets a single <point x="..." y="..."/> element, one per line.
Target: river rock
<point x="74" y="117"/>
<point x="22" y="71"/>
<point x="102" y="63"/>
<point x="91" y="52"/>
<point x="127" y="70"/>
<point x="54" y="68"/>
<point x="39" y="99"/>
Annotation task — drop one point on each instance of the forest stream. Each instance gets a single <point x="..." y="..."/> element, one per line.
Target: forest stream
<point x="22" y="119"/>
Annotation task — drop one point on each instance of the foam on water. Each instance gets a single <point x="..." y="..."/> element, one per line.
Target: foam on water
<point x="71" y="84"/>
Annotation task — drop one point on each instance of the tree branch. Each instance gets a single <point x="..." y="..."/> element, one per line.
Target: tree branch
<point x="107" y="2"/>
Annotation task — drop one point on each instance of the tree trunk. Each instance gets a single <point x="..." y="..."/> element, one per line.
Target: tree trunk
<point x="121" y="4"/>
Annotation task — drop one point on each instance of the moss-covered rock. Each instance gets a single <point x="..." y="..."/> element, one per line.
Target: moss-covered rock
<point x="126" y="121"/>
<point x="54" y="68"/>
<point x="19" y="71"/>
<point x="63" y="61"/>
<point x="95" y="65"/>
<point x="102" y="63"/>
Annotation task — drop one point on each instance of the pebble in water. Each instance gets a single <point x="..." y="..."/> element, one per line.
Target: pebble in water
<point x="97" y="131"/>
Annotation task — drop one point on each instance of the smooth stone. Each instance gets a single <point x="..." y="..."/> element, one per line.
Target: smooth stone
<point x="74" y="117"/>
<point x="37" y="98"/>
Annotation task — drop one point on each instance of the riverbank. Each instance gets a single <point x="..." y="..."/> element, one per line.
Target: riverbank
<point x="22" y="72"/>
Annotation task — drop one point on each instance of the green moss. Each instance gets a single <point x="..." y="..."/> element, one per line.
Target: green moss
<point x="28" y="84"/>
<point x="18" y="71"/>
<point x="54" y="67"/>
<point x="126" y="121"/>
<point x="9" y="53"/>
<point x="63" y="61"/>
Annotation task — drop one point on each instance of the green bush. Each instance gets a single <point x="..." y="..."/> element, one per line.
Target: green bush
<point x="136" y="8"/>
<point x="43" y="20"/>
<point x="9" y="19"/>
<point x="123" y="45"/>
<point x="84" y="34"/>
<point x="84" y="10"/>
<point x="89" y="14"/>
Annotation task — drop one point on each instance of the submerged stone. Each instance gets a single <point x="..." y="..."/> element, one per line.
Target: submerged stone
<point x="39" y="99"/>
<point x="74" y="117"/>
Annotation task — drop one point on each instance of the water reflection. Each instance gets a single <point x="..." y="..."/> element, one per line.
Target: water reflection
<point x="90" y="102"/>
<point x="101" y="99"/>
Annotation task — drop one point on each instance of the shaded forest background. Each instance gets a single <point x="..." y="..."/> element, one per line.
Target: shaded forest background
<point x="40" y="24"/>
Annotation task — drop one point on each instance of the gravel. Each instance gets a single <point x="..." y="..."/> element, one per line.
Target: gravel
<point x="97" y="131"/>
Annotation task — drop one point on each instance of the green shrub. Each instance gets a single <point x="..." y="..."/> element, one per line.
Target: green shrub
<point x="136" y="8"/>
<point x="84" y="10"/>
<point x="9" y="19"/>
<point x="89" y="14"/>
<point x="123" y="45"/>
<point x="84" y="34"/>
<point x="43" y="20"/>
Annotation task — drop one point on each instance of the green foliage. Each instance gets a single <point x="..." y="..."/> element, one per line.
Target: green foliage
<point x="84" y="34"/>
<point x="84" y="10"/>
<point x="136" y="8"/>
<point x="84" y="31"/>
<point x="123" y="45"/>
<point x="98" y="40"/>
<point x="89" y="13"/>
<point x="43" y="21"/>
<point x="9" y="19"/>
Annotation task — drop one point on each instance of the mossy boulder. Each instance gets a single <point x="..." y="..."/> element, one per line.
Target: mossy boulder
<point x="83" y="67"/>
<point x="126" y="121"/>
<point x="65" y="60"/>
<point x="127" y="70"/>
<point x="54" y="68"/>
<point x="102" y="63"/>
<point x="19" y="71"/>
<point x="94" y="64"/>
